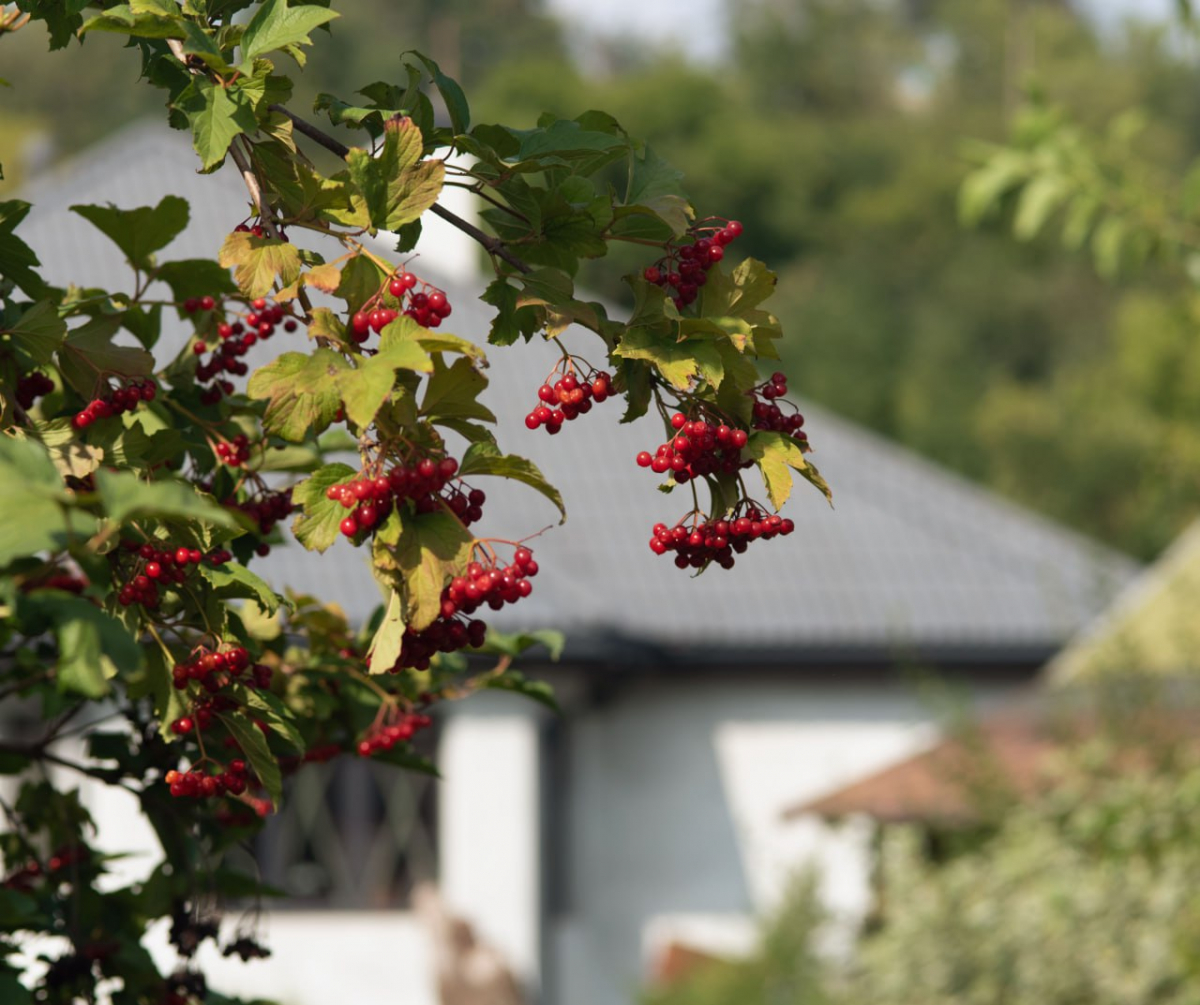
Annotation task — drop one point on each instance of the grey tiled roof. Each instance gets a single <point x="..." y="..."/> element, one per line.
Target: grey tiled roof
<point x="912" y="557"/>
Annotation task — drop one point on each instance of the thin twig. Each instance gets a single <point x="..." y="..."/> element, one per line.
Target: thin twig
<point x="492" y="245"/>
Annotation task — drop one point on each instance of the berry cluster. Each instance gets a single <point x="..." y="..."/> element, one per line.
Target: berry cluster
<point x="385" y="737"/>
<point x="769" y="416"/>
<point x="116" y="400"/>
<point x="426" y="482"/>
<point x="568" y="397"/>
<point x="236" y="452"/>
<point x="698" y="448"/>
<point x="266" y="509"/>
<point x="258" y="230"/>
<point x="454" y="629"/>
<point x="31" y="387"/>
<point x="236" y="338"/>
<point x="153" y="567"/>
<point x="684" y="268"/>
<point x="717" y="540"/>
<point x="27" y="876"/>
<point x="426" y="306"/>
<point x="214" y="671"/>
<point x="196" y="783"/>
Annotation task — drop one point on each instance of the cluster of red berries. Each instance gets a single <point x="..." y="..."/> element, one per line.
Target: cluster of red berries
<point x="214" y="671"/>
<point x="769" y="416"/>
<point x="423" y="482"/>
<point x="426" y="306"/>
<point x="266" y="510"/>
<point x="698" y="448"/>
<point x="55" y="579"/>
<point x="717" y="540"/>
<point x="491" y="585"/>
<point x="236" y="338"/>
<point x="196" y="783"/>
<point x="387" y="736"/>
<point x="567" y="398"/>
<point x="684" y="268"/>
<point x="258" y="230"/>
<point x="26" y="877"/>
<point x="157" y="567"/>
<point x="236" y="452"/>
<point x="31" y="387"/>
<point x="125" y="398"/>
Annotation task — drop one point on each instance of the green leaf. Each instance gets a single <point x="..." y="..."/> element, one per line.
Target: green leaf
<point x="124" y="496"/>
<point x="233" y="580"/>
<point x="396" y="185"/>
<point x="254" y="747"/>
<point x="679" y="362"/>
<point x="453" y="392"/>
<point x="32" y="517"/>
<point x="406" y="345"/>
<point x="93" y="647"/>
<point x="38" y="332"/>
<point x="217" y="115"/>
<point x="301" y="392"/>
<point x="361" y="280"/>
<point x="657" y="185"/>
<point x="88" y="353"/>
<point x="123" y="19"/>
<point x="317" y="526"/>
<point x="389" y="637"/>
<point x="518" y="683"/>
<point x="1039" y="199"/>
<point x="486" y="459"/>
<point x="514" y="645"/>
<point x="365" y="388"/>
<point x="139" y="232"/>
<point x="274" y="713"/>
<point x="432" y="547"/>
<point x="17" y="260"/>
<point x="775" y="454"/>
<point x="194" y="277"/>
<point x="276" y="25"/>
<point x="510" y="322"/>
<point x="452" y="95"/>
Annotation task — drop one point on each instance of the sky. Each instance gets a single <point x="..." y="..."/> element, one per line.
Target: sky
<point x="697" y="25"/>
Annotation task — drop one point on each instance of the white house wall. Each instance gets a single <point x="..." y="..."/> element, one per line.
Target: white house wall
<point x="674" y="804"/>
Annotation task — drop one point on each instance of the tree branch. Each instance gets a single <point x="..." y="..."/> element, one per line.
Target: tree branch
<point x="492" y="245"/>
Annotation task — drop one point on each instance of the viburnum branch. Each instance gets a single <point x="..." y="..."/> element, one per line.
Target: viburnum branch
<point x="492" y="245"/>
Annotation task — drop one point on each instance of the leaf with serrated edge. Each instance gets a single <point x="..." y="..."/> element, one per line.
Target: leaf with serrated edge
<point x="317" y="526"/>
<point x="678" y="362"/>
<point x="258" y="262"/>
<point x="274" y="713"/>
<point x="432" y="547"/>
<point x="275" y="25"/>
<point x="453" y="392"/>
<point x="139" y="232"/>
<point x="38" y="332"/>
<point x="301" y="392"/>
<point x="486" y="459"/>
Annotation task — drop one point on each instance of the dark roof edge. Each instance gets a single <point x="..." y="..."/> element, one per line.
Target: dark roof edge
<point x="620" y="654"/>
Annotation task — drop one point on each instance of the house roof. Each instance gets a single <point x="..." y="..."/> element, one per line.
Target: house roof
<point x="1151" y="628"/>
<point x="945" y="783"/>
<point x="913" y="561"/>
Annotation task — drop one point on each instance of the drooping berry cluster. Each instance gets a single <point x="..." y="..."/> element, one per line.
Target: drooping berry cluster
<point x="236" y="338"/>
<point x="234" y="453"/>
<point x="214" y="671"/>
<point x="266" y="509"/>
<point x="717" y="540"/>
<point x="568" y="397"/>
<point x="454" y="629"/>
<point x="698" y="448"/>
<point x="427" y="306"/>
<point x="31" y="387"/>
<point x="425" y="481"/>
<point x="197" y="784"/>
<point x="114" y="401"/>
<point x="386" y="736"/>
<point x="148" y="568"/>
<point x="684" y="268"/>
<point x="769" y="416"/>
